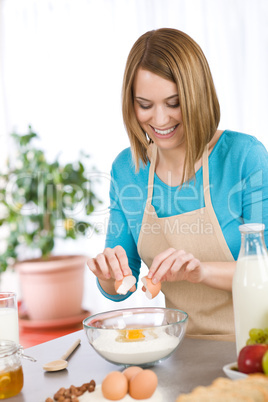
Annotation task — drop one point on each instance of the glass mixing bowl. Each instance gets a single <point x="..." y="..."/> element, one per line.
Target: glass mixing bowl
<point x="136" y="336"/>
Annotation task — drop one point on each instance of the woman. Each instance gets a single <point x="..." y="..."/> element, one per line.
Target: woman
<point x="179" y="205"/>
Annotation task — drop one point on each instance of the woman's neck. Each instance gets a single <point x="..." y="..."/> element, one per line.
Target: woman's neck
<point x="170" y="163"/>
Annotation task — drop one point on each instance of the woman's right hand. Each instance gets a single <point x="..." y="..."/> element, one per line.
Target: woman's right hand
<point x="111" y="264"/>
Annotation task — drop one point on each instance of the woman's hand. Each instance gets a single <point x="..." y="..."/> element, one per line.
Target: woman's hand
<point x="110" y="265"/>
<point x="176" y="265"/>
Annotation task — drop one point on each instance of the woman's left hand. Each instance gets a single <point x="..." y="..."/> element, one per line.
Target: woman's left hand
<point x="176" y="265"/>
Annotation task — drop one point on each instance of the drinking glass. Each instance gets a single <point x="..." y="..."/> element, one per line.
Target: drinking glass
<point x="9" y="321"/>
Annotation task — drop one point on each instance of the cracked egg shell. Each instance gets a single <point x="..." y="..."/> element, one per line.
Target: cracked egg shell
<point x="151" y="289"/>
<point x="125" y="284"/>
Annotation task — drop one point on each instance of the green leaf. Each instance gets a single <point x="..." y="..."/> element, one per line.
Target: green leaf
<point x="39" y="195"/>
<point x="24" y="140"/>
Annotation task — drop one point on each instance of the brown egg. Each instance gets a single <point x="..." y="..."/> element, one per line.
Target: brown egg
<point x="151" y="289"/>
<point x="143" y="384"/>
<point x="114" y="386"/>
<point x="123" y="286"/>
<point x="131" y="371"/>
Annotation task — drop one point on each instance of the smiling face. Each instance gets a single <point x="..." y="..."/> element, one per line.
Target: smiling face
<point x="157" y="108"/>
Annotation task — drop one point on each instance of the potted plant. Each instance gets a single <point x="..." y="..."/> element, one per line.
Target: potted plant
<point x="41" y="201"/>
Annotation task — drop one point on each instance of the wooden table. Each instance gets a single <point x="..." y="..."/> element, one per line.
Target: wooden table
<point x="195" y="362"/>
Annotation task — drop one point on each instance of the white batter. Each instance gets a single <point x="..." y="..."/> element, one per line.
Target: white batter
<point x="97" y="396"/>
<point x="150" y="349"/>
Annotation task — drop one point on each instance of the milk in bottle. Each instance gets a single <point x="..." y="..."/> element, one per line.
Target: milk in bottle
<point x="250" y="284"/>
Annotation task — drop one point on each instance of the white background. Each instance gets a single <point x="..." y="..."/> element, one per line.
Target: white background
<point x="61" y="69"/>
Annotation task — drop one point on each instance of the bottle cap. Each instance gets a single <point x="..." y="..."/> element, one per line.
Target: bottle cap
<point x="251" y="227"/>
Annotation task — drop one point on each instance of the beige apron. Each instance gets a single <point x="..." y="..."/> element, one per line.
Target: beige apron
<point x="198" y="232"/>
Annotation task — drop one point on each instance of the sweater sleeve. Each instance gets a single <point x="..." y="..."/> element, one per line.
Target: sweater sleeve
<point x="119" y="233"/>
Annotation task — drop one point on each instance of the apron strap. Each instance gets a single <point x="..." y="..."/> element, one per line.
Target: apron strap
<point x="210" y="209"/>
<point x="206" y="185"/>
<point x="151" y="174"/>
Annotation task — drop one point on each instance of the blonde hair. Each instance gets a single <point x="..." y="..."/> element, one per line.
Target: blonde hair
<point x="175" y="56"/>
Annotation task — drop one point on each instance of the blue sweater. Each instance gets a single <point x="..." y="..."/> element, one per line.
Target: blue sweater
<point x="238" y="174"/>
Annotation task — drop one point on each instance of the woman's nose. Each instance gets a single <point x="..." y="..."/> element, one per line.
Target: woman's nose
<point x="160" y="117"/>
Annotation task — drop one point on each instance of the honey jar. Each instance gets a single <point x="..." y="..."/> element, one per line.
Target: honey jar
<point x="11" y="373"/>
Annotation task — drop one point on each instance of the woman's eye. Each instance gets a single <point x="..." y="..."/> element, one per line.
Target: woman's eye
<point x="174" y="105"/>
<point x="144" y="106"/>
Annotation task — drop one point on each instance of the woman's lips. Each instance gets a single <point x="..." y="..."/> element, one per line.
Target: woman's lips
<point x="167" y="133"/>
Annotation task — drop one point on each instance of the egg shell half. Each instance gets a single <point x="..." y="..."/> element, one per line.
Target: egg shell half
<point x="114" y="386"/>
<point x="151" y="289"/>
<point x="123" y="286"/>
<point x="143" y="384"/>
<point x="131" y="371"/>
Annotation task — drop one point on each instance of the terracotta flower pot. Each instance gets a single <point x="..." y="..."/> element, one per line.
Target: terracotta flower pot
<point x="52" y="288"/>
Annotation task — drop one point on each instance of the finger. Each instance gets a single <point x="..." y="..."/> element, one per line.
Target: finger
<point x="103" y="266"/>
<point x="92" y="265"/>
<point x="172" y="265"/>
<point x="182" y="262"/>
<point x="164" y="278"/>
<point x="164" y="268"/>
<point x="166" y="264"/>
<point x="113" y="263"/>
<point x="194" y="263"/>
<point x="123" y="260"/>
<point x="157" y="261"/>
<point x="95" y="269"/>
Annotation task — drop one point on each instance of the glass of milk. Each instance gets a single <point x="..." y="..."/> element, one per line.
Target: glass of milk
<point x="9" y="321"/>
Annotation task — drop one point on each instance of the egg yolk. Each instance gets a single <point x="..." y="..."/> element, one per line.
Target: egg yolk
<point x="135" y="334"/>
<point x="130" y="335"/>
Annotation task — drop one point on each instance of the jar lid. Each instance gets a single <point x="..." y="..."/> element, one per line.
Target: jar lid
<point x="252" y="227"/>
<point x="8" y="347"/>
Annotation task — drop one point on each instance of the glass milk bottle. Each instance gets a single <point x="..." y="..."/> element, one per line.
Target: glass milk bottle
<point x="250" y="284"/>
<point x="9" y="322"/>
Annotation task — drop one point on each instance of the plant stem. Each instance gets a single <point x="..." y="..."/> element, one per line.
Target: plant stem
<point x="46" y="222"/>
